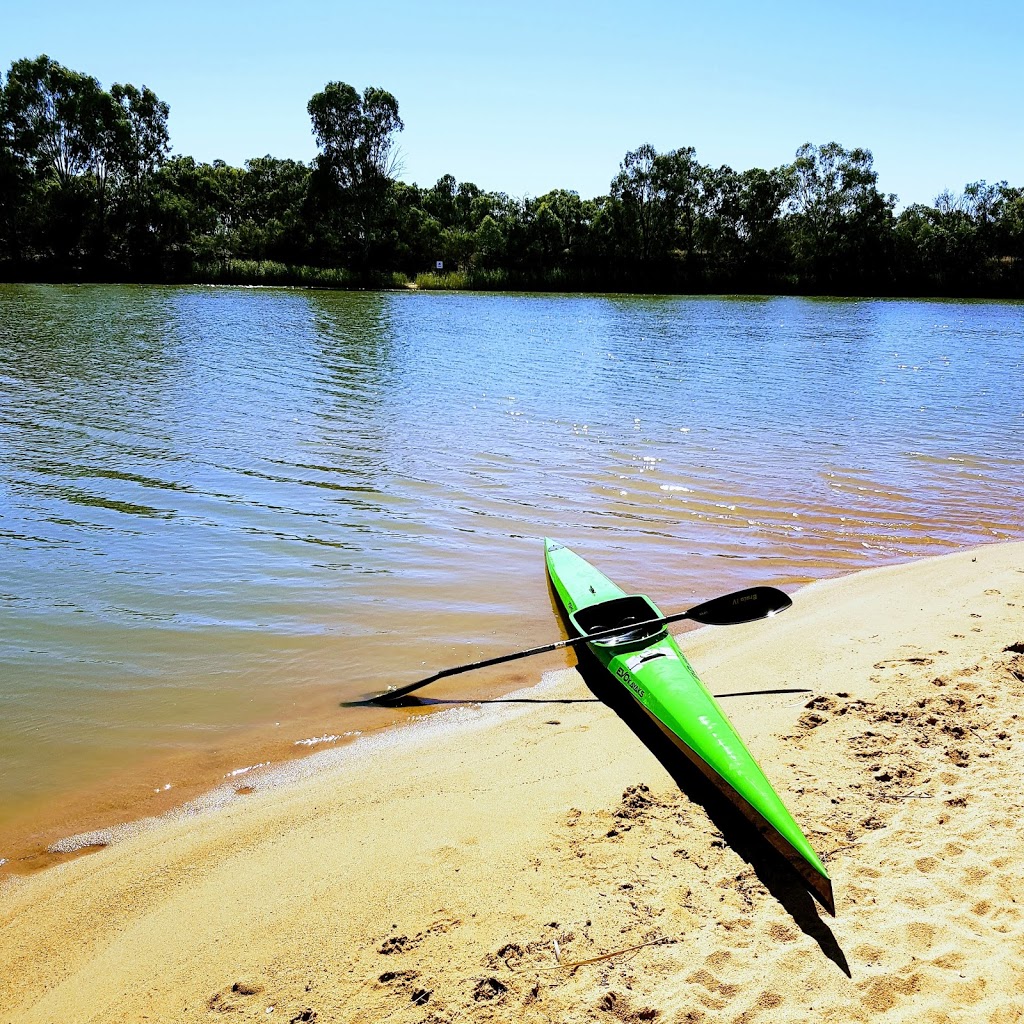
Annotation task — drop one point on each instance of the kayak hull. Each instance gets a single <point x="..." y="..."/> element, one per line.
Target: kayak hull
<point x="652" y="667"/>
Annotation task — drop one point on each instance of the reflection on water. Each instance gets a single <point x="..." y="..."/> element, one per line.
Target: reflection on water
<point x="224" y="508"/>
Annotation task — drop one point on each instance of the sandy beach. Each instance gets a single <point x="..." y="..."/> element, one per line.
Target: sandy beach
<point x="544" y="857"/>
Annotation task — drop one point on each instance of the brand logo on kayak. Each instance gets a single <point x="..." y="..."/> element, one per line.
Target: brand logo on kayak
<point x="624" y="676"/>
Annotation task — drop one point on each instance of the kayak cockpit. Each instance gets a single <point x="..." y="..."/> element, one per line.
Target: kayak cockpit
<point x="625" y="612"/>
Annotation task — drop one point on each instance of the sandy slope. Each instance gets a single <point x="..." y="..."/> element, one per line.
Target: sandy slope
<point x="429" y="877"/>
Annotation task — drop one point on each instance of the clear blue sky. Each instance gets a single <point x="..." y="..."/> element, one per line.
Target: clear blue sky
<point x="529" y="96"/>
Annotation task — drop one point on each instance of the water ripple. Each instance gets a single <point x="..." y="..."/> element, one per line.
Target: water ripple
<point x="219" y="505"/>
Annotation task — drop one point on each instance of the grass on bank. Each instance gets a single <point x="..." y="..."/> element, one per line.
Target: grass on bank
<point x="269" y="272"/>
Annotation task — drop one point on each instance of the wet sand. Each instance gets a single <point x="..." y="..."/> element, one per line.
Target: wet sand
<point x="460" y="868"/>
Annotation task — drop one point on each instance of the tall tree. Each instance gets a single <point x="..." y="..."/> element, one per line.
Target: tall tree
<point x="57" y="118"/>
<point x="84" y="149"/>
<point x="353" y="173"/>
<point x="757" y="205"/>
<point x="142" y="139"/>
<point x="638" y="188"/>
<point x="355" y="133"/>
<point x="697" y="199"/>
<point x="842" y="223"/>
<point x="15" y="185"/>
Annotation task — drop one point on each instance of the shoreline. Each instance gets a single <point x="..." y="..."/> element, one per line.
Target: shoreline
<point x="410" y="284"/>
<point x="123" y="805"/>
<point x="177" y="655"/>
<point x="39" y="839"/>
<point x="421" y="877"/>
<point x="269" y="778"/>
<point x="86" y="819"/>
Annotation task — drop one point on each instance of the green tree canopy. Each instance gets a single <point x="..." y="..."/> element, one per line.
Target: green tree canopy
<point x="350" y="199"/>
<point x="842" y="224"/>
<point x="355" y="133"/>
<point x="87" y="188"/>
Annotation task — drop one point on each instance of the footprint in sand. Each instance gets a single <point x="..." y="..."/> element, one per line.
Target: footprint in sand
<point x="882" y="994"/>
<point x="895" y="662"/>
<point x="228" y="1001"/>
<point x="920" y="936"/>
<point x="782" y="933"/>
<point x="489" y="990"/>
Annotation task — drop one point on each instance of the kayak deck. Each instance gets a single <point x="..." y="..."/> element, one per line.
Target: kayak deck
<point x="650" y="664"/>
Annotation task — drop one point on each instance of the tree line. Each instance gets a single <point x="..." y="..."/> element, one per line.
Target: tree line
<point x="89" y="190"/>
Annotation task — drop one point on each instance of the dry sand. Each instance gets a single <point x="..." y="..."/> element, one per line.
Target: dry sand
<point x="439" y="874"/>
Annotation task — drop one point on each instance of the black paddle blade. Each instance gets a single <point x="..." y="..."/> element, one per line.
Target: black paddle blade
<point x="743" y="606"/>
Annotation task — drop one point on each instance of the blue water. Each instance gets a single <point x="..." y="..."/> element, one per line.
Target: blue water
<point x="232" y="508"/>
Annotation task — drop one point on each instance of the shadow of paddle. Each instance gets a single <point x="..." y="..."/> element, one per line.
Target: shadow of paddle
<point x="410" y="701"/>
<point x="415" y="702"/>
<point x="756" y="693"/>
<point x="771" y="868"/>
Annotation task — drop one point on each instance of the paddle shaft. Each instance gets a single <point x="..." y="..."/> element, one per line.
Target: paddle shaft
<point x="743" y="606"/>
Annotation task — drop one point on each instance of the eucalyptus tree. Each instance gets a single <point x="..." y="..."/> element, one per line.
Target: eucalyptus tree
<point x="1011" y="230"/>
<point x="842" y="224"/>
<point x="354" y="171"/>
<point x="675" y="211"/>
<point x="83" y="149"/>
<point x="15" y="184"/>
<point x="638" y="188"/>
<point x="561" y="227"/>
<point x="467" y="197"/>
<point x="757" y="205"/>
<point x="354" y="132"/>
<point x="986" y="206"/>
<point x="199" y="212"/>
<point x="921" y="248"/>
<point x="604" y="215"/>
<point x="56" y="118"/>
<point x="546" y="231"/>
<point x="971" y="242"/>
<point x="700" y="202"/>
<point x="138" y="143"/>
<point x="269" y="198"/>
<point x="141" y="141"/>
<point x="678" y="185"/>
<point x="489" y="244"/>
<point x="56" y="123"/>
<point x="439" y="201"/>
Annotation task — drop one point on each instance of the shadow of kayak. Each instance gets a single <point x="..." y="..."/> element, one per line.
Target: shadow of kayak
<point x="772" y="869"/>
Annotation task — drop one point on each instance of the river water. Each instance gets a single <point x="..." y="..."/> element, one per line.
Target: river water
<point x="224" y="511"/>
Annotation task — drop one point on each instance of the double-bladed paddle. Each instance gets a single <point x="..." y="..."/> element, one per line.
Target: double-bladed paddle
<point x="731" y="609"/>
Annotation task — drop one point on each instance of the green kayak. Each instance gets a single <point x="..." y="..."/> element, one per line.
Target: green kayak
<point x="649" y="663"/>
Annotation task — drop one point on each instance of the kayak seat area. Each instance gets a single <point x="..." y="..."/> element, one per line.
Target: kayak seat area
<point x="621" y="611"/>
